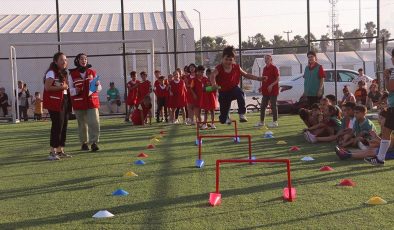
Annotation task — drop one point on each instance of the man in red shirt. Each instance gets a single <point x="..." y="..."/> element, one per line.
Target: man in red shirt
<point x="270" y="91"/>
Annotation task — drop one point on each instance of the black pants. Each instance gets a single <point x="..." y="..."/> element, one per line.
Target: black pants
<point x="161" y="103"/>
<point x="225" y="99"/>
<point x="4" y="107"/>
<point x="177" y="113"/>
<point x="59" y="125"/>
<point x="274" y="107"/>
<point x="23" y="113"/>
<point x="38" y="116"/>
<point x="312" y="100"/>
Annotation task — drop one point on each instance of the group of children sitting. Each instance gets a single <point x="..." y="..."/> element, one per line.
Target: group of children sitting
<point x="348" y="126"/>
<point x="186" y="92"/>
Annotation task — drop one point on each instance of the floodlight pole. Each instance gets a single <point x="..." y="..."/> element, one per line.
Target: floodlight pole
<point x="124" y="60"/>
<point x="240" y="38"/>
<point x="58" y="24"/>
<point x="175" y="28"/>
<point x="166" y="37"/>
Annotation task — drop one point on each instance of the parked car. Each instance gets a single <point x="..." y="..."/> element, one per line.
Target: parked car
<point x="293" y="89"/>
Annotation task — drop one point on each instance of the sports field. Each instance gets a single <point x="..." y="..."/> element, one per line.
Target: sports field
<point x="171" y="193"/>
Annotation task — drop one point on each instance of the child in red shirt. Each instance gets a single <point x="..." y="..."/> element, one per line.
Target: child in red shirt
<point x="132" y="91"/>
<point x="144" y="87"/>
<point x="177" y="97"/>
<point x="142" y="112"/>
<point x="161" y="92"/>
<point x="196" y="91"/>
<point x="191" y="101"/>
<point x="208" y="102"/>
<point x="361" y="93"/>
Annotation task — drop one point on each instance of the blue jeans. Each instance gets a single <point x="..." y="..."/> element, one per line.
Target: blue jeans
<point x="225" y="99"/>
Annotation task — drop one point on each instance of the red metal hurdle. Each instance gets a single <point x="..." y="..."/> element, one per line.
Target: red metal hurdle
<point x="233" y="121"/>
<point x="199" y="138"/>
<point x="289" y="193"/>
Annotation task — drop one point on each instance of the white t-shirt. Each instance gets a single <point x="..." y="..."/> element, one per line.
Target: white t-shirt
<point x="361" y="78"/>
<point x="51" y="74"/>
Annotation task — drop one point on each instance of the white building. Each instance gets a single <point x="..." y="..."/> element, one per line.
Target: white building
<point x="106" y="59"/>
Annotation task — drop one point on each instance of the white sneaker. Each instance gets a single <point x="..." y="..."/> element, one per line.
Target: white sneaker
<point x="273" y="124"/>
<point x="306" y="136"/>
<point x="204" y="126"/>
<point x="312" y="137"/>
<point x="260" y="124"/>
<point x="176" y="121"/>
<point x="229" y="121"/>
<point x="361" y="146"/>
<point x="242" y="118"/>
<point x="213" y="126"/>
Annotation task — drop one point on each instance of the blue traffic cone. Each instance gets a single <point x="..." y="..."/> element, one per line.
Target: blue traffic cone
<point x="200" y="163"/>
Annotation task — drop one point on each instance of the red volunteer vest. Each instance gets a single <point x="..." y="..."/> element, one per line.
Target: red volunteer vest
<point x="83" y="101"/>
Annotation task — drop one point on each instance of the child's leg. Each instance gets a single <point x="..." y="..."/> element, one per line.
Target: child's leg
<point x="183" y="114"/>
<point x="205" y="116"/>
<point x="326" y="139"/>
<point x="213" y="116"/>
<point x="190" y="110"/>
<point x="197" y="113"/>
<point x="361" y="154"/>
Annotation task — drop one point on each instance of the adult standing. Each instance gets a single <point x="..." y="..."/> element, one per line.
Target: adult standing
<point x="4" y="101"/>
<point x="56" y="101"/>
<point x="226" y="78"/>
<point x="270" y="91"/>
<point x="23" y="97"/>
<point x="313" y="79"/>
<point x="85" y="104"/>
<point x="361" y="77"/>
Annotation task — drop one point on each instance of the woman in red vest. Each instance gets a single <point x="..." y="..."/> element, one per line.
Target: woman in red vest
<point x="56" y="101"/>
<point x="85" y="103"/>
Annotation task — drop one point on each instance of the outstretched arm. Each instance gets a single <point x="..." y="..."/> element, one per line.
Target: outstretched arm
<point x="250" y="76"/>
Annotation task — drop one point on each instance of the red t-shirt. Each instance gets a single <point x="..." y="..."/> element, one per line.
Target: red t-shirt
<point x="272" y="73"/>
<point x="161" y="90"/>
<point x="144" y="88"/>
<point x="227" y="81"/>
<point x="196" y="85"/>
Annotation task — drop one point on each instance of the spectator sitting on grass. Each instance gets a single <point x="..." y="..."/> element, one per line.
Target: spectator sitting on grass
<point x="373" y="145"/>
<point x="113" y="97"/>
<point x="329" y="127"/>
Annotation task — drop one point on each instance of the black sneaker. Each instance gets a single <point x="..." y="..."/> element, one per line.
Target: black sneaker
<point x="242" y="118"/>
<point x="85" y="147"/>
<point x="374" y="161"/>
<point x="343" y="154"/>
<point x="94" y="147"/>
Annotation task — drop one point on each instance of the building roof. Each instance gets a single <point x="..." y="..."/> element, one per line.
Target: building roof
<point x="46" y="23"/>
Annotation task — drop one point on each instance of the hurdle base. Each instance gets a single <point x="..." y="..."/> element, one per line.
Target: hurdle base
<point x="253" y="158"/>
<point x="200" y="163"/>
<point x="237" y="140"/>
<point x="286" y="194"/>
<point x="215" y="199"/>
<point x="197" y="142"/>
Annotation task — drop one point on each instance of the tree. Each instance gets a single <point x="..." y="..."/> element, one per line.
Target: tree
<point x="386" y="35"/>
<point x="354" y="44"/>
<point x="370" y="31"/>
<point x="209" y="43"/>
<point x="324" y="44"/>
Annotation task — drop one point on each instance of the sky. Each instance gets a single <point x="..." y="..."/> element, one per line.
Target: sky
<point x="219" y="17"/>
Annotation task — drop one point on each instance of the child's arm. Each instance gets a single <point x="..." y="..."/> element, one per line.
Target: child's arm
<point x="194" y="94"/>
<point x="250" y="76"/>
<point x="317" y="126"/>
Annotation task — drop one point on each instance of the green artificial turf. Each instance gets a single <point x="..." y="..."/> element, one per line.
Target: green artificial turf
<point x="170" y="193"/>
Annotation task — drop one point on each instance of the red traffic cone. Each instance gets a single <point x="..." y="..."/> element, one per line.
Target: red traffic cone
<point x="347" y="182"/>
<point x="215" y="199"/>
<point x="326" y="168"/>
<point x="142" y="155"/>
<point x="294" y="149"/>
<point x="151" y="146"/>
<point x="286" y="194"/>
